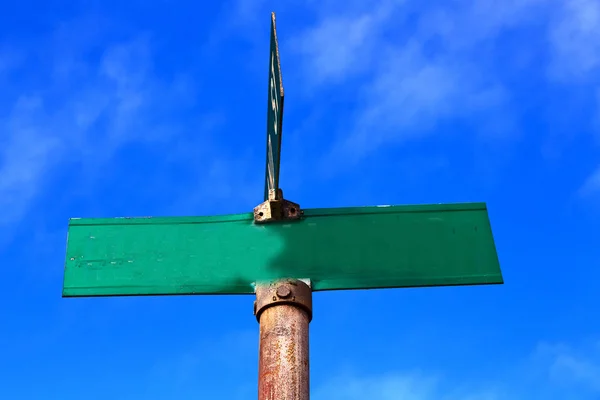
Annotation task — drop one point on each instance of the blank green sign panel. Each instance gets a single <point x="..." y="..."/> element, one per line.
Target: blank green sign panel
<point x="343" y="248"/>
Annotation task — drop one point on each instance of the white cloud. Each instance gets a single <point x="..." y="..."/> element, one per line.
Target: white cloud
<point x="28" y="150"/>
<point x="340" y="46"/>
<point x="407" y="68"/>
<point x="417" y="71"/>
<point x="410" y="94"/>
<point x="83" y="110"/>
<point x="592" y="184"/>
<point x="575" y="40"/>
<point x="569" y="367"/>
<point x="410" y="70"/>
<point x="399" y="385"/>
<point x="202" y="370"/>
<point x="575" y="47"/>
<point x="386" y="387"/>
<point x="552" y="371"/>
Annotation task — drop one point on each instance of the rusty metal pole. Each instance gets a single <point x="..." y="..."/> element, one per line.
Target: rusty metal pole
<point x="284" y="311"/>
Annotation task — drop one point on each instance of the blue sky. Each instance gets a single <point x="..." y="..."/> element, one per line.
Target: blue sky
<point x="149" y="108"/>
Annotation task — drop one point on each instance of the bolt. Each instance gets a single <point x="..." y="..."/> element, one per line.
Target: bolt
<point x="283" y="291"/>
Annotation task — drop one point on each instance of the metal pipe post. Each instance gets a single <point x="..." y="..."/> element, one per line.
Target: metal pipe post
<point x="284" y="311"/>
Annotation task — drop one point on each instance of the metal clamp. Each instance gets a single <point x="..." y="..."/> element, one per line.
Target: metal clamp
<point x="276" y="208"/>
<point x="290" y="291"/>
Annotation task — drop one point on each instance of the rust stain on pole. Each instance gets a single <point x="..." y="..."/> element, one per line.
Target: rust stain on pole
<point x="284" y="312"/>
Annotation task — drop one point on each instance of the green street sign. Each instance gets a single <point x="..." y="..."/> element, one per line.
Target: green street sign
<point x="275" y="250"/>
<point x="338" y="248"/>
<point x="274" y="114"/>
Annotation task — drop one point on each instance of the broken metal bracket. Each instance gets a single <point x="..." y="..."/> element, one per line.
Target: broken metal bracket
<point x="276" y="208"/>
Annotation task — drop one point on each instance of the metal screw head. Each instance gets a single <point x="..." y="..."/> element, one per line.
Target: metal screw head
<point x="283" y="291"/>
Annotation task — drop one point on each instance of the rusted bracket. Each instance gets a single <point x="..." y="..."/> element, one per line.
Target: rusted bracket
<point x="288" y="291"/>
<point x="276" y="208"/>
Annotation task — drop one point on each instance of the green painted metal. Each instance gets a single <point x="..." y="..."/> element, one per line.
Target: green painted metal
<point x="341" y="248"/>
<point x="274" y="114"/>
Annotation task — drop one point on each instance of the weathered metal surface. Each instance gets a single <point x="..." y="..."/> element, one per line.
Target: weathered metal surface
<point x="283" y="367"/>
<point x="336" y="248"/>
<point x="291" y="292"/>
<point x="276" y="208"/>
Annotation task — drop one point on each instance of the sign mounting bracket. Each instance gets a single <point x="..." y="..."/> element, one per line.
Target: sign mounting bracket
<point x="276" y="208"/>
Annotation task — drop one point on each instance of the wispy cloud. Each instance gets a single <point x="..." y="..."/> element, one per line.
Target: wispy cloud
<point x="574" y="37"/>
<point x="412" y="69"/>
<point x="412" y="73"/>
<point x="571" y="368"/>
<point x="340" y="46"/>
<point x="575" y="41"/>
<point x="218" y="360"/>
<point x="398" y="385"/>
<point x="551" y="371"/>
<point x="402" y="72"/>
<point x="28" y="150"/>
<point x="89" y="98"/>
<point x="591" y="185"/>
<point x="386" y="387"/>
<point x="410" y="94"/>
